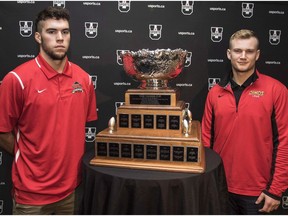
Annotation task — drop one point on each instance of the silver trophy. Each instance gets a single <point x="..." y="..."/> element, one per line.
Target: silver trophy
<point x="154" y="68"/>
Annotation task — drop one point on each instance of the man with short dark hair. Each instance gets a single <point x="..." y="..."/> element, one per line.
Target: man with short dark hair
<point x="45" y="104"/>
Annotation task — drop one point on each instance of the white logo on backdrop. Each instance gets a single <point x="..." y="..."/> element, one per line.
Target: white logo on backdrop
<point x="285" y="202"/>
<point x="25" y="28"/>
<point x="155" y="31"/>
<point x="119" y="59"/>
<point x="1" y="206"/>
<point x="59" y="4"/>
<point x="247" y="10"/>
<point x="216" y="34"/>
<point x="187" y="7"/>
<point x="118" y="104"/>
<point x="124" y="6"/>
<point x="212" y="82"/>
<point x="188" y="59"/>
<point x="90" y="133"/>
<point x="274" y="36"/>
<point x="91" y="29"/>
<point x="94" y="81"/>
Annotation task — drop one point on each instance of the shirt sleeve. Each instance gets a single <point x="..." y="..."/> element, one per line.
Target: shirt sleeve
<point x="279" y="178"/>
<point x="207" y="122"/>
<point x="11" y="100"/>
<point x="92" y="107"/>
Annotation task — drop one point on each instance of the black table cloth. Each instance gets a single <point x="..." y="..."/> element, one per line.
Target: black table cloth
<point x="109" y="190"/>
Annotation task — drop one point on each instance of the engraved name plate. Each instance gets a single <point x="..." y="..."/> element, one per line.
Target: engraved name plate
<point x="101" y="149"/>
<point x="174" y="122"/>
<point x="164" y="153"/>
<point x="139" y="151"/>
<point x="126" y="150"/>
<point x="136" y="121"/>
<point x="114" y="150"/>
<point x="148" y="121"/>
<point x="192" y="154"/>
<point x="150" y="99"/>
<point x="161" y="121"/>
<point x="151" y="152"/>
<point x="178" y="153"/>
<point x="124" y="120"/>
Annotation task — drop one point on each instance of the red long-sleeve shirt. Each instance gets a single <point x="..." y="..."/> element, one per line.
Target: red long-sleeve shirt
<point x="252" y="138"/>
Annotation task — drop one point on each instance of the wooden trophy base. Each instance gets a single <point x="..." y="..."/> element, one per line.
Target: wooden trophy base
<point x="151" y="150"/>
<point x="154" y="131"/>
<point x="152" y="117"/>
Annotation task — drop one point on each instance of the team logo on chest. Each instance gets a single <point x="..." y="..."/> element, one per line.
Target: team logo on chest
<point x="77" y="87"/>
<point x="256" y="93"/>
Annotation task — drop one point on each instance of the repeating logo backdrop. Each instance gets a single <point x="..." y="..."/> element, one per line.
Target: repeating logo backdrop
<point x="101" y="30"/>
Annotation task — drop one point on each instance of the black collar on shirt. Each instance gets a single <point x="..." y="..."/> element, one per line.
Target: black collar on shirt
<point x="237" y="89"/>
<point x="248" y="82"/>
<point x="228" y="76"/>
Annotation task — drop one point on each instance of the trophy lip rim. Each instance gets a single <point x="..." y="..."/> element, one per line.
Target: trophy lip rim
<point x="124" y="53"/>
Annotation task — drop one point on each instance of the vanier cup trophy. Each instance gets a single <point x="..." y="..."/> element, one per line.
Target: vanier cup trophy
<point x="153" y="129"/>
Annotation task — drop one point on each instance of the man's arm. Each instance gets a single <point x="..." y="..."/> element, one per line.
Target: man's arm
<point x="206" y="123"/>
<point x="7" y="142"/>
<point x="272" y="194"/>
<point x="278" y="183"/>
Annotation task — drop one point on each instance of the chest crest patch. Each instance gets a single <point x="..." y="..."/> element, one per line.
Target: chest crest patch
<point x="77" y="87"/>
<point x="256" y="93"/>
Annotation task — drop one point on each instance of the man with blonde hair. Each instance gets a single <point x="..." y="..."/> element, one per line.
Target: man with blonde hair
<point x="246" y="122"/>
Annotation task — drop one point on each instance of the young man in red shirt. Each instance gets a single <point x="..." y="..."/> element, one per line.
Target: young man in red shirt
<point x="45" y="104"/>
<point x="246" y="122"/>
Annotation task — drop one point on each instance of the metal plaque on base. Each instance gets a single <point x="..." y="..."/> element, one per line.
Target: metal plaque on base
<point x="161" y="97"/>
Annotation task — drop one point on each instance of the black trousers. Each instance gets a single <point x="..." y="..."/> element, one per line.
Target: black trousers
<point x="244" y="205"/>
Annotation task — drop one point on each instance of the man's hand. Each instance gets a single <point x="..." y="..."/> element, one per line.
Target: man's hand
<point x="270" y="204"/>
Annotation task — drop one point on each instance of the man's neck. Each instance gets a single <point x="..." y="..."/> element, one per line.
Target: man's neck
<point x="241" y="77"/>
<point x="57" y="65"/>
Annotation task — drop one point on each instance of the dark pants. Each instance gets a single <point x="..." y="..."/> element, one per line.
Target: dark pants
<point x="62" y="207"/>
<point x="243" y="205"/>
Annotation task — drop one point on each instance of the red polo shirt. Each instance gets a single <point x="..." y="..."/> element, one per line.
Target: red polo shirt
<point x="47" y="111"/>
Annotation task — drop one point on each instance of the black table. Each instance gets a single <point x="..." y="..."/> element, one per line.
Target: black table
<point x="114" y="191"/>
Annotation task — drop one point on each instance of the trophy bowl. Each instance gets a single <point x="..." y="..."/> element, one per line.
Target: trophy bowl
<point x="154" y="68"/>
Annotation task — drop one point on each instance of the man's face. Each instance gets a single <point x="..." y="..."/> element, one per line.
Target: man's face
<point x="54" y="38"/>
<point x="243" y="54"/>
